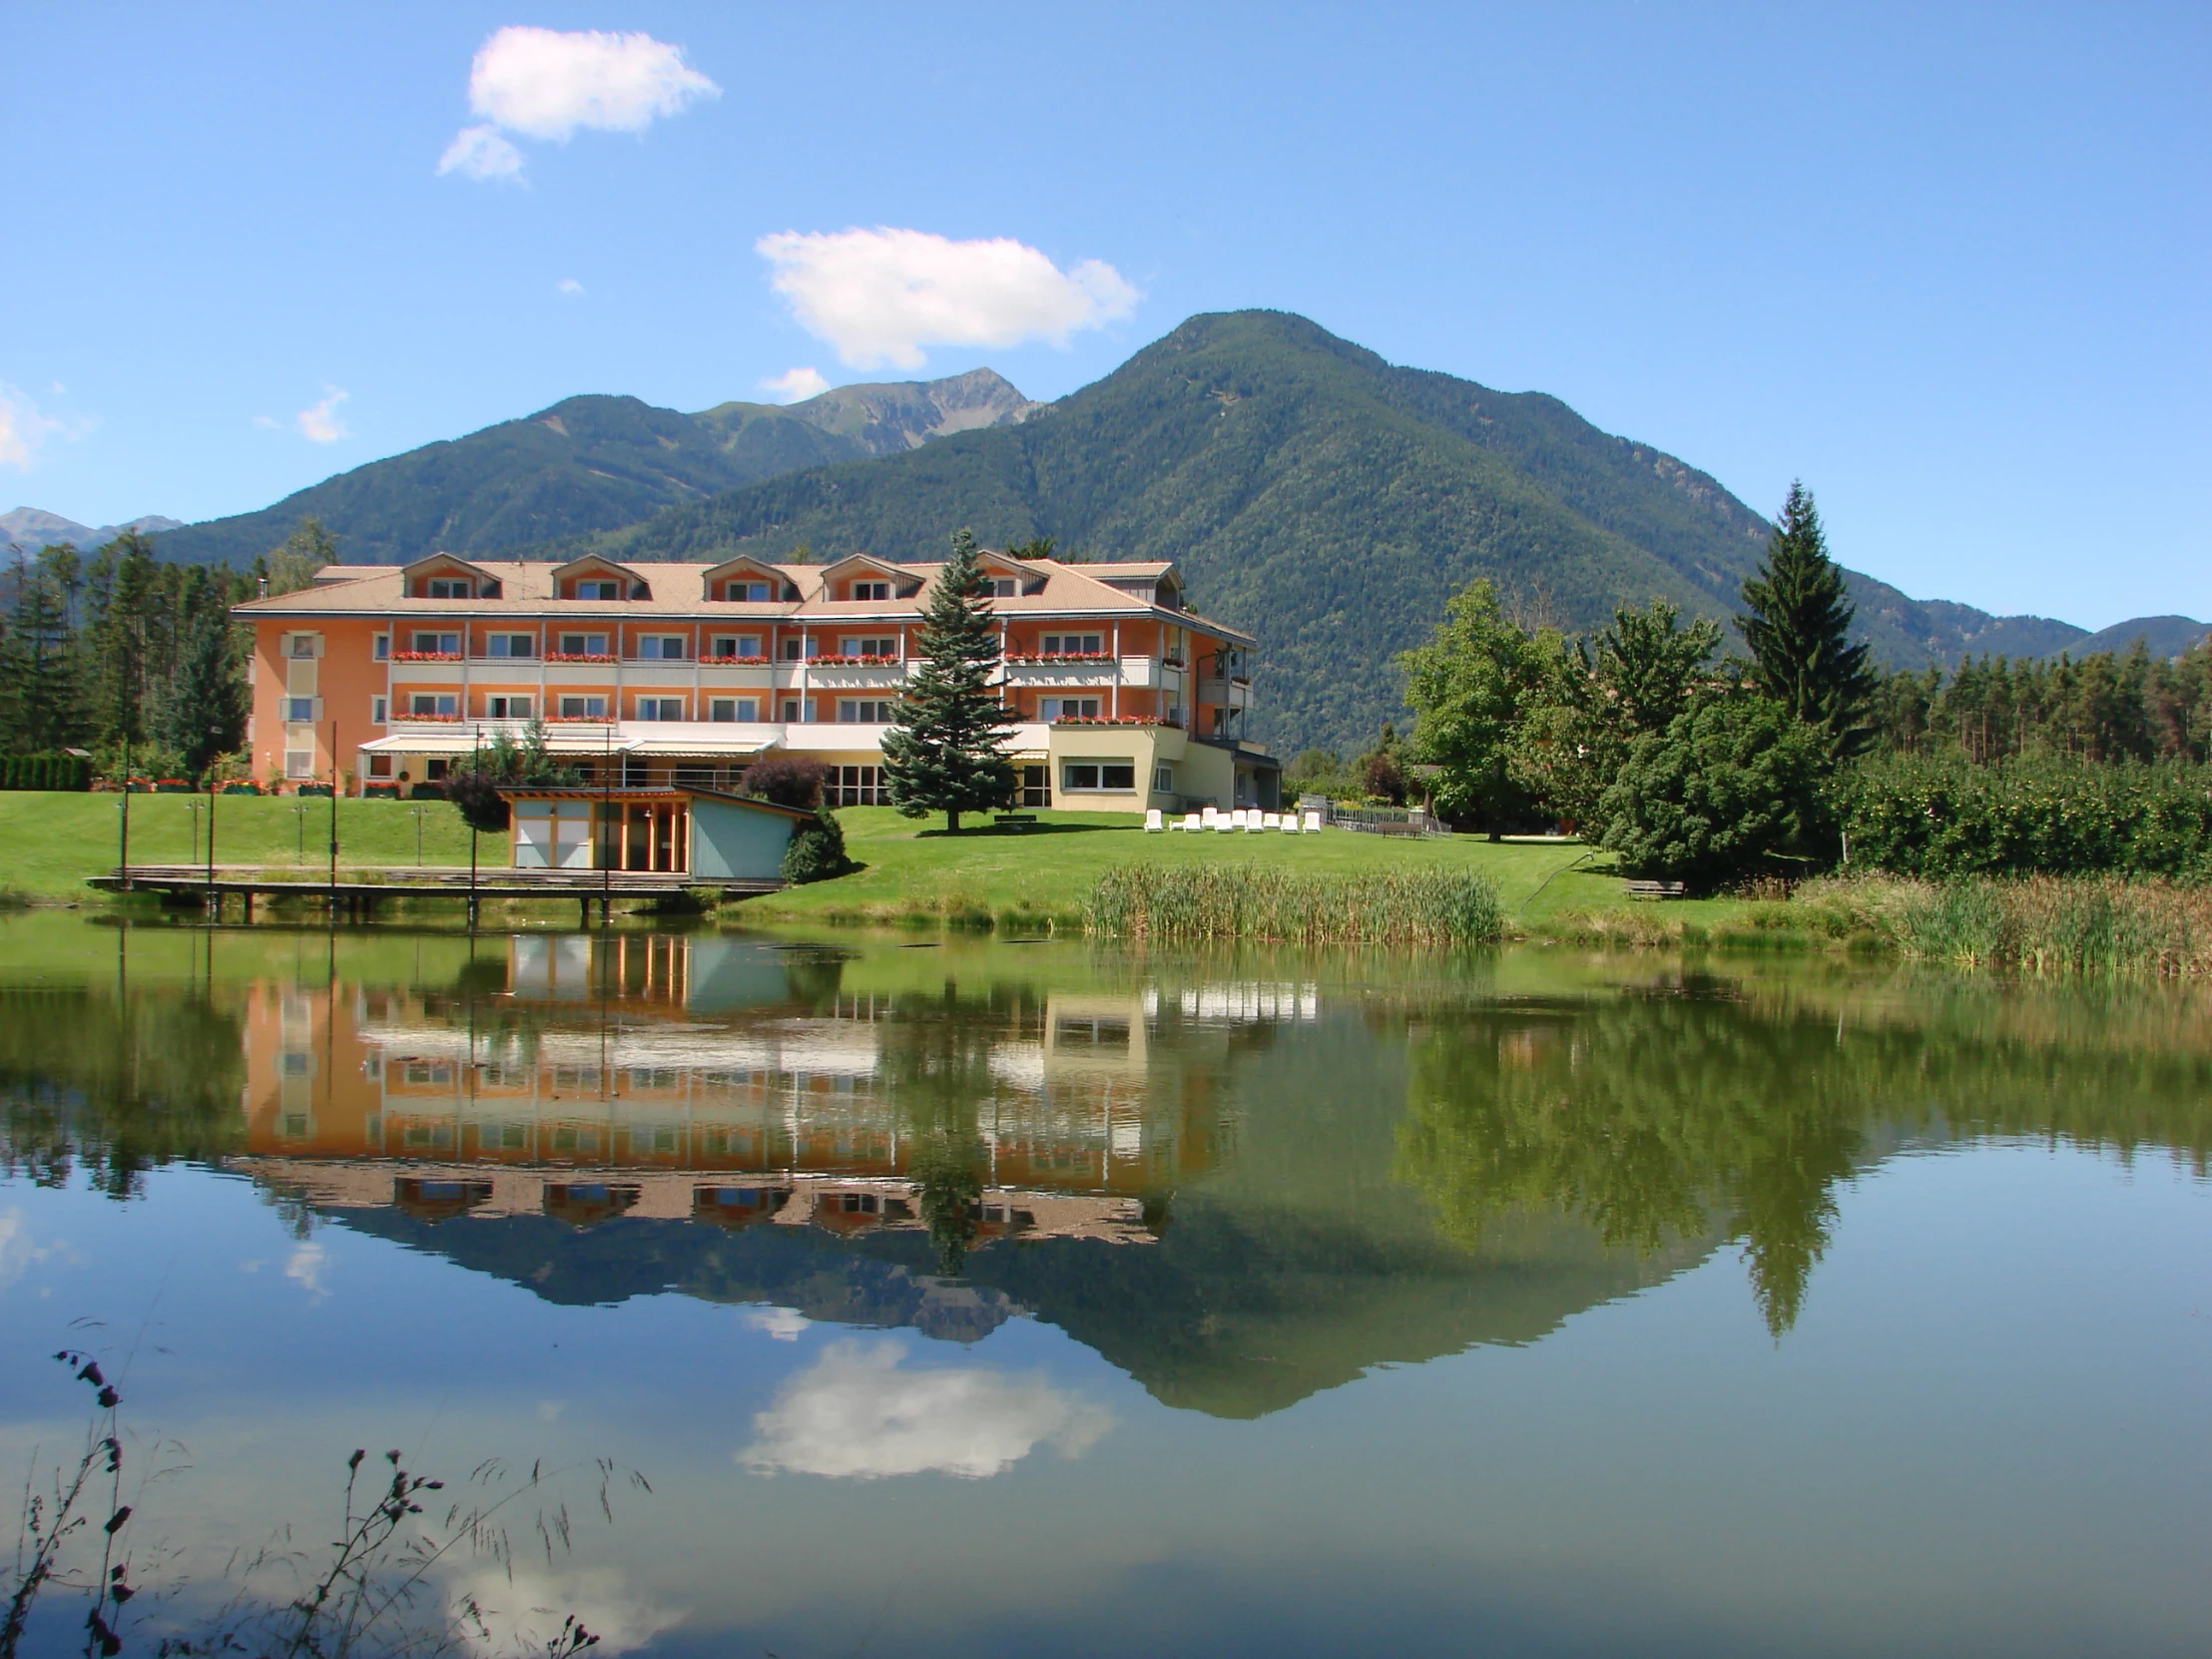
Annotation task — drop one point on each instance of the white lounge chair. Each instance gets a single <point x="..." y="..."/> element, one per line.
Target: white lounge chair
<point x="1207" y="814"/>
<point x="1191" y="820"/>
<point x="1312" y="821"/>
<point x="1271" y="821"/>
<point x="1153" y="823"/>
<point x="1290" y="823"/>
<point x="1224" y="823"/>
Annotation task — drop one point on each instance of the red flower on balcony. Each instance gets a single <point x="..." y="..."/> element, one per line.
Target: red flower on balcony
<point x="854" y="661"/>
<point x="580" y="657"/>
<point x="738" y="661"/>
<point x="1059" y="657"/>
<point x="425" y="656"/>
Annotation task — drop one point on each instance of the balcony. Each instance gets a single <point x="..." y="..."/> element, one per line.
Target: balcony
<point x="1083" y="671"/>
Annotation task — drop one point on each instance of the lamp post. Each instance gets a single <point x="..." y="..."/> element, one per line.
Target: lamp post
<point x="123" y="856"/>
<point x="475" y="765"/>
<point x="299" y="817"/>
<point x="417" y="812"/>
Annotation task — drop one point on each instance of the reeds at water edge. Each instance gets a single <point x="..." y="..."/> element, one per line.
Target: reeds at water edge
<point x="1192" y="902"/>
<point x="2046" y="925"/>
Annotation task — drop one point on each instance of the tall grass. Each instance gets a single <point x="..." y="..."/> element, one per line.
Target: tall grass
<point x="1189" y="903"/>
<point x="2097" y="925"/>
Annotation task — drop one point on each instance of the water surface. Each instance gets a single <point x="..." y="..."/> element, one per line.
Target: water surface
<point x="998" y="1298"/>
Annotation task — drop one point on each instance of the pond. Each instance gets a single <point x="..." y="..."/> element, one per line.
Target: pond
<point x="1031" y="1297"/>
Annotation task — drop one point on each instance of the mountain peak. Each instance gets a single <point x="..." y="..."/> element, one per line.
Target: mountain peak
<point x="905" y="414"/>
<point x="32" y="527"/>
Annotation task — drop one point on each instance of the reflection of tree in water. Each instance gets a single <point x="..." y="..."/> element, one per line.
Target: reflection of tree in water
<point x="935" y="1072"/>
<point x="120" y="1085"/>
<point x="1653" y="1118"/>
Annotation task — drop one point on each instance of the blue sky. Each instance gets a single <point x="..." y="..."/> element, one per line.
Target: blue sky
<point x="1948" y="265"/>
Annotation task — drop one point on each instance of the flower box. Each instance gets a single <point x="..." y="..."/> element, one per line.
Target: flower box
<point x="242" y="789"/>
<point x="1059" y="657"/>
<point x="854" y="662"/>
<point x="578" y="720"/>
<point x="319" y="791"/>
<point x="739" y="662"/>
<point x="379" y="792"/>
<point x="425" y="719"/>
<point x="173" y="785"/>
<point x="580" y="657"/>
<point x="1110" y="719"/>
<point x="427" y="791"/>
<point x="425" y="656"/>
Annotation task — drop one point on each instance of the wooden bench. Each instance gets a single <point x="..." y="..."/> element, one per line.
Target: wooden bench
<point x="1656" y="889"/>
<point x="1014" y="820"/>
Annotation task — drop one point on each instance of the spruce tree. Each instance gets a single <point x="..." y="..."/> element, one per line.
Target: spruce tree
<point x="947" y="752"/>
<point x="41" y="700"/>
<point x="1797" y="621"/>
<point x="204" y="711"/>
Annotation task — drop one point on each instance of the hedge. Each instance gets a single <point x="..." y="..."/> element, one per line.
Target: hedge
<point x="45" y="772"/>
<point x="2031" y="815"/>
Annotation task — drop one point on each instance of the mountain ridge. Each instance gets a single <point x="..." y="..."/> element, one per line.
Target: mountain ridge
<point x="31" y="528"/>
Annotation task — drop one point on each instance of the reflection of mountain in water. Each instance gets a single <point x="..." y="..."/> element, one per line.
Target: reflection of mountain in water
<point x="1240" y="1186"/>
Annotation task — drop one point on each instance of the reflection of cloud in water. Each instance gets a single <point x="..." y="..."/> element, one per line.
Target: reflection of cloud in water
<point x="499" y="1615"/>
<point x="305" y="1268"/>
<point x="855" y="1414"/>
<point x="786" y="1324"/>
<point x="16" y="1250"/>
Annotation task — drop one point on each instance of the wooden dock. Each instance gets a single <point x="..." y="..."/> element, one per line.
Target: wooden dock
<point x="356" y="892"/>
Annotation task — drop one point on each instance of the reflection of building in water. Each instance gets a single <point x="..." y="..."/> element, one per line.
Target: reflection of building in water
<point x="646" y="1075"/>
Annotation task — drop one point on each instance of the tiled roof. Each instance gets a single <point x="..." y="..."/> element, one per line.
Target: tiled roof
<point x="680" y="590"/>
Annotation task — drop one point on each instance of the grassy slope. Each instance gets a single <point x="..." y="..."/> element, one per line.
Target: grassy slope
<point x="49" y="844"/>
<point x="915" y="870"/>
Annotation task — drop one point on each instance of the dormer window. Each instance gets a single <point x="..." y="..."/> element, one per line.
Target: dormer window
<point x="747" y="593"/>
<point x="1005" y="587"/>
<point x="871" y="590"/>
<point x="449" y="587"/>
<point x="597" y="587"/>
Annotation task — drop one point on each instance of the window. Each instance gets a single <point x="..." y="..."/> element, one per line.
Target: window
<point x="450" y="587"/>
<point x="738" y="645"/>
<point x="867" y="712"/>
<point x="1002" y="587"/>
<point x="436" y="645"/>
<point x="583" y="645"/>
<point x="1074" y="645"/>
<point x="796" y="650"/>
<point x="855" y="787"/>
<point x="434" y="769"/>
<point x="511" y="645"/>
<point x="742" y="710"/>
<point x="1116" y="777"/>
<point x="1036" y="786"/>
<point x="868" y="648"/>
<point x="430" y="705"/>
<point x="869" y="590"/>
<point x="379" y="765"/>
<point x="299" y="710"/>
<point x="660" y="708"/>
<point x="794" y="710"/>
<point x="583" y="708"/>
<point x="380" y="710"/>
<point x="299" y="763"/>
<point x="598" y="588"/>
<point x="1163" y="778"/>
<point x="661" y="648"/>
<point x="380" y="649"/>
<point x="747" y="593"/>
<point x="507" y="708"/>
<point x="1050" y="709"/>
<point x="304" y="645"/>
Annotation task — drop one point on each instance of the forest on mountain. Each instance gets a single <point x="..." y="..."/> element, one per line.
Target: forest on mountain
<point x="1321" y="498"/>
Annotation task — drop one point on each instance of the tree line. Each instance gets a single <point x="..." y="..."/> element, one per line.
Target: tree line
<point x="120" y="651"/>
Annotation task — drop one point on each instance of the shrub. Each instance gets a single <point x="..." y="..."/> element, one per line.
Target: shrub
<point x="817" y="849"/>
<point x="786" y="780"/>
<point x="1728" y="788"/>
<point x="1920" y="816"/>
<point x="45" y="772"/>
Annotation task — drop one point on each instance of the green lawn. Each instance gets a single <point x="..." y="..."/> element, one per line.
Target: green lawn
<point x="49" y="843"/>
<point x="915" y="870"/>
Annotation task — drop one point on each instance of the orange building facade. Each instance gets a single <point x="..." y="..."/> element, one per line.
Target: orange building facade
<point x="683" y="674"/>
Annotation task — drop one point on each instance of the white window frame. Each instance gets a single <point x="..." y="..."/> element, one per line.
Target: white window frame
<point x="304" y="645"/>
<point x="448" y="587"/>
<point x="744" y="593"/>
<point x="848" y="710"/>
<point x="292" y="706"/>
<point x="872" y="645"/>
<point x="1005" y="587"/>
<point x="379" y="709"/>
<point x="1097" y="766"/>
<point x="504" y="706"/>
<point x="741" y="645"/>
<point x="794" y="710"/>
<point x="1074" y="645"/>
<point x="744" y="711"/>
<point x="654" y="648"/>
<point x="597" y="587"/>
<point x="1050" y="709"/>
<point x="502" y="645"/>
<point x="443" y="645"/>
<point x="1163" y="778"/>
<point x="380" y="649"/>
<point x="299" y="764"/>
<point x="442" y="705"/>
<point x="660" y="706"/>
<point x="584" y="709"/>
<point x="585" y="640"/>
<point x="874" y="589"/>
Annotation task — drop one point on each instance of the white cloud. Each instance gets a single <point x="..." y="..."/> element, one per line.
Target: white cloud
<point x="480" y="152"/>
<point x="881" y="295"/>
<point x="569" y="285"/>
<point x="794" y="385"/>
<point x="521" y="1612"/>
<point x="17" y="1252"/>
<point x="24" y="427"/>
<point x="318" y="422"/>
<point x="854" y="1414"/>
<point x="544" y="84"/>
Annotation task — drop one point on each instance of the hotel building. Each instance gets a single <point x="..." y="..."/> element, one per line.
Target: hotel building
<point x="680" y="675"/>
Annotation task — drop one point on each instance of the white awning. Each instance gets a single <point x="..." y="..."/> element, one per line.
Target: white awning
<point x="630" y="737"/>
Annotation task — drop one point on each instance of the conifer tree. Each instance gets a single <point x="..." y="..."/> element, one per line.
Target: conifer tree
<point x="40" y="700"/>
<point x="1797" y="622"/>
<point x="204" y="711"/>
<point x="947" y="752"/>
